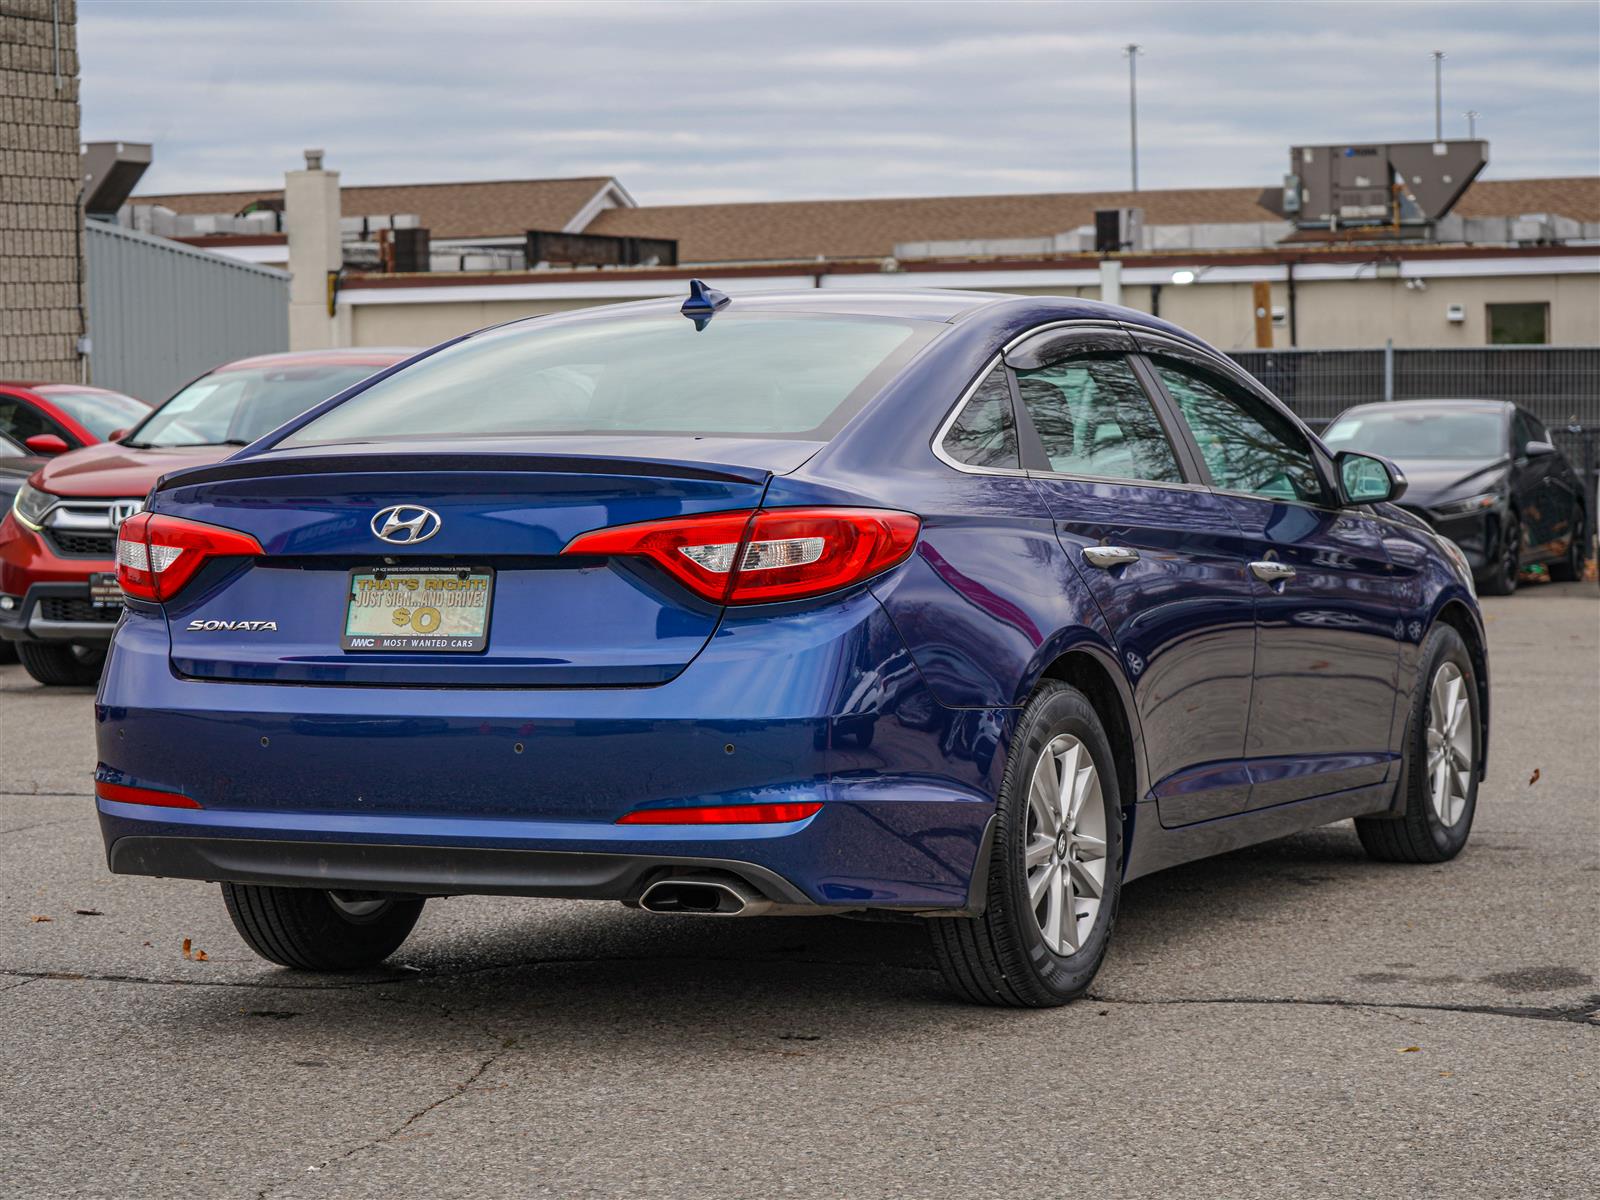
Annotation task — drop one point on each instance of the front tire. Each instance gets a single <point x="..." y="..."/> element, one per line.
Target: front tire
<point x="1439" y="770"/>
<point x="62" y="664"/>
<point x="1502" y="579"/>
<point x="315" y="930"/>
<point x="1055" y="869"/>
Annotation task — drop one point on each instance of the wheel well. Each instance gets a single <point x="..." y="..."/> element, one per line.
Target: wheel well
<point x="1456" y="616"/>
<point x="1091" y="677"/>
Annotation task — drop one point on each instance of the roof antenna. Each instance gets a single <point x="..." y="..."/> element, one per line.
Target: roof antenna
<point x="704" y="302"/>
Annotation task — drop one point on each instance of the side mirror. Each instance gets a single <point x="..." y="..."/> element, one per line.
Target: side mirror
<point x="46" y="443"/>
<point x="1368" y="479"/>
<point x="117" y="435"/>
<point x="1539" y="449"/>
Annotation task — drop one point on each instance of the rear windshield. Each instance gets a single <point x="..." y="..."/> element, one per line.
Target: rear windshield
<point x="234" y="408"/>
<point x="1420" y="433"/>
<point x="760" y="375"/>
<point x="101" y="413"/>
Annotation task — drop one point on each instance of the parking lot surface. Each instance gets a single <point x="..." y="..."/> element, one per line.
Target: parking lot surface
<point x="1287" y="1020"/>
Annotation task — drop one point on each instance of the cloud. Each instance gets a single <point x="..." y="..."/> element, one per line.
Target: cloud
<point x="696" y="101"/>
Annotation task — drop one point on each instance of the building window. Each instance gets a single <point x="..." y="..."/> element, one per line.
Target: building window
<point x="1519" y="324"/>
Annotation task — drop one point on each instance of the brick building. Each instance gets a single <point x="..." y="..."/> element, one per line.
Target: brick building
<point x="41" y="316"/>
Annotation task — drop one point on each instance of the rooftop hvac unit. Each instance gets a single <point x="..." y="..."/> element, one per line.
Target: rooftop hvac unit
<point x="1393" y="183"/>
<point x="1117" y="229"/>
<point x="110" y="172"/>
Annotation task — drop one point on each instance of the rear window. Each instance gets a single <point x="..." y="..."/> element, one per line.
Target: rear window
<point x="760" y="375"/>
<point x="235" y="407"/>
<point x="101" y="413"/>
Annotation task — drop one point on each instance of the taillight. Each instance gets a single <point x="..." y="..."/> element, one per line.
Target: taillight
<point x="756" y="557"/>
<point x="725" y="814"/>
<point x="157" y="555"/>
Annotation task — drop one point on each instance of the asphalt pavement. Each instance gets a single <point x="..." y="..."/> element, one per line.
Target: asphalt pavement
<point x="1287" y="1020"/>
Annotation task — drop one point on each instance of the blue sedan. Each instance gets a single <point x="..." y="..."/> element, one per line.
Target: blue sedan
<point x="963" y="608"/>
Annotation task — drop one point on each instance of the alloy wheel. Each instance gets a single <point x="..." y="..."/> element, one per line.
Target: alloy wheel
<point x="1065" y="850"/>
<point x="1449" y="743"/>
<point x="1512" y="552"/>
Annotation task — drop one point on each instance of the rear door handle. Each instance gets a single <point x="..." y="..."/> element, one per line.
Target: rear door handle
<point x="1272" y="572"/>
<point x="1106" y="557"/>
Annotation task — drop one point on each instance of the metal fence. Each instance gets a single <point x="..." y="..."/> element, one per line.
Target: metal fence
<point x="161" y="313"/>
<point x="1558" y="384"/>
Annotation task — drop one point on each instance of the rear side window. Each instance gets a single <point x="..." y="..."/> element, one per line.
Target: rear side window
<point x="1247" y="445"/>
<point x="764" y="375"/>
<point x="1094" y="418"/>
<point x="984" y="434"/>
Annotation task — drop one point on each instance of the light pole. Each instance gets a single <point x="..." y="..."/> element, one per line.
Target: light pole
<point x="1438" y="95"/>
<point x="1472" y="116"/>
<point x="1132" y="51"/>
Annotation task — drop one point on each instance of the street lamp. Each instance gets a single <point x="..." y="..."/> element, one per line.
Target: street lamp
<point x="1132" y="51"/>
<point x="1438" y="95"/>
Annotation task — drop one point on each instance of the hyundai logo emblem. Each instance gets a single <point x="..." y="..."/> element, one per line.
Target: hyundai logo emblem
<point x="405" y="524"/>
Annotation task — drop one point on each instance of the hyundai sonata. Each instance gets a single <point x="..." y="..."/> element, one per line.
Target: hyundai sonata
<point x="961" y="607"/>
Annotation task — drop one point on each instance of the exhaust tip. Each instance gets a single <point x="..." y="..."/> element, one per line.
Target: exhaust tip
<point x="701" y="897"/>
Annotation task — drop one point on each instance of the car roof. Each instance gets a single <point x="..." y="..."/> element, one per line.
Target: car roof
<point x="1470" y="405"/>
<point x="382" y="356"/>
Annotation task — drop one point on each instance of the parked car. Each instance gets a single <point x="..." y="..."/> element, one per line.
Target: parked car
<point x="17" y="462"/>
<point x="938" y="605"/>
<point x="52" y="418"/>
<point x="59" y="598"/>
<point x="1487" y="475"/>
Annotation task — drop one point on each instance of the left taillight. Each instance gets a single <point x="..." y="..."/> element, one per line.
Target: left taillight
<point x="157" y="555"/>
<point x="766" y="555"/>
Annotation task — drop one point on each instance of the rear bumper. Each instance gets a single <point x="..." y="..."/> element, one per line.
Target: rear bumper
<point x="445" y="790"/>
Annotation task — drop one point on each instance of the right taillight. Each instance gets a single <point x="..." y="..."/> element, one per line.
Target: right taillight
<point x="157" y="555"/>
<point x="762" y="556"/>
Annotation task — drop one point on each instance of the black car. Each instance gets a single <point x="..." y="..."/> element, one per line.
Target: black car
<point x="1486" y="474"/>
<point x="17" y="462"/>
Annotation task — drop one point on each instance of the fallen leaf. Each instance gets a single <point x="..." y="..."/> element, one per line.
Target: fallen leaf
<point x="1409" y="1050"/>
<point x="1534" y="778"/>
<point x="201" y="956"/>
<point x="186" y="944"/>
<point x="147" y="943"/>
<point x="36" y="918"/>
<point x="88" y="912"/>
<point x="1446" y="1074"/>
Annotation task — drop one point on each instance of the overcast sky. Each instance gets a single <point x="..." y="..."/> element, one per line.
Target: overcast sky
<point x="729" y="101"/>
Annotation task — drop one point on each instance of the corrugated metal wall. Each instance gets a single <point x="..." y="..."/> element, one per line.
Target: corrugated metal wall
<point x="161" y="313"/>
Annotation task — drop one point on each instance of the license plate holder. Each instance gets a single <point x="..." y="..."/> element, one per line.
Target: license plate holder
<point x="104" y="590"/>
<point x="418" y="610"/>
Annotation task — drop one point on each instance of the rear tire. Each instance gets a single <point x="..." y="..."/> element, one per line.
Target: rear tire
<point x="1570" y="568"/>
<point x="1432" y="828"/>
<point x="62" y="664"/>
<point x="1005" y="956"/>
<point x="315" y="930"/>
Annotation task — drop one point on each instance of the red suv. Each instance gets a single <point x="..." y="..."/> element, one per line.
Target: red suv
<point x="51" y="418"/>
<point x="59" y="597"/>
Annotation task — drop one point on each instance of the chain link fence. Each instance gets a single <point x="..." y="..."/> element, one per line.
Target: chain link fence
<point x="1558" y="384"/>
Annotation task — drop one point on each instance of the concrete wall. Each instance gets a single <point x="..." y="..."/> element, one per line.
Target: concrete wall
<point x="39" y="219"/>
<point x="161" y="313"/>
<point x="1330" y="313"/>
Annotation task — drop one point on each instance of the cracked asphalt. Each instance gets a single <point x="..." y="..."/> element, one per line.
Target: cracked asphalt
<point x="1284" y="1020"/>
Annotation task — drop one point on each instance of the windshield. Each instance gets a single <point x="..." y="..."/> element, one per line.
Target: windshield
<point x="234" y="408"/>
<point x="764" y="375"/>
<point x="1420" y="433"/>
<point x="101" y="413"/>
